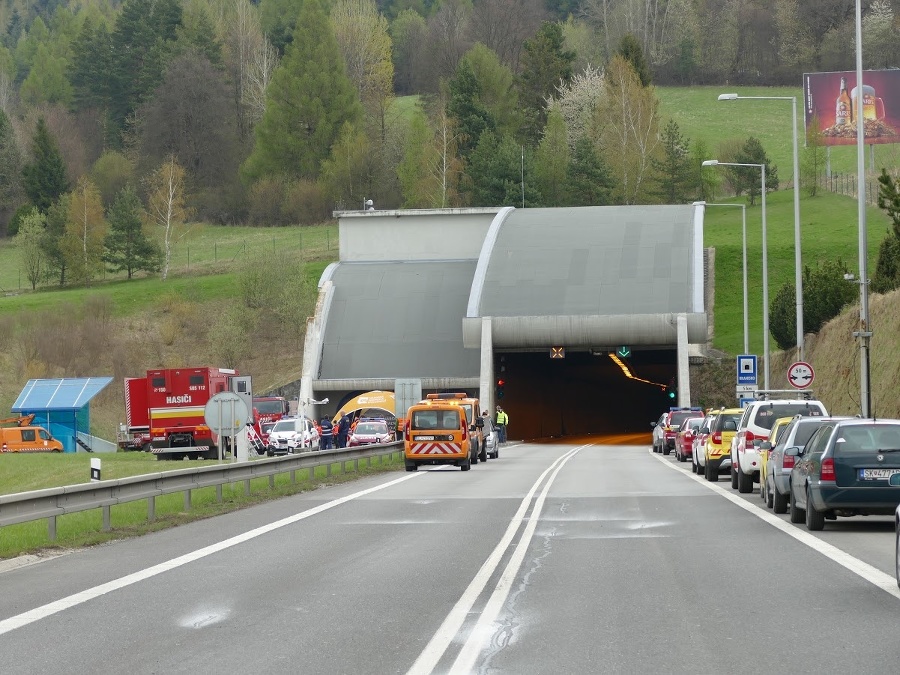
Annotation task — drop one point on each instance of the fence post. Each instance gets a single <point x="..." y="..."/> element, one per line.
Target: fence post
<point x="187" y="500"/>
<point x="151" y="509"/>
<point x="219" y="493"/>
<point x="51" y="528"/>
<point x="107" y="526"/>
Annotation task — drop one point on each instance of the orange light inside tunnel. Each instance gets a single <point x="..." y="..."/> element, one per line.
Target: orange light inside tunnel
<point x="631" y="376"/>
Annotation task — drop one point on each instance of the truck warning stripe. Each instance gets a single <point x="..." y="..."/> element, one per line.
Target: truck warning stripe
<point x="193" y="411"/>
<point x="186" y="448"/>
<point x="435" y="449"/>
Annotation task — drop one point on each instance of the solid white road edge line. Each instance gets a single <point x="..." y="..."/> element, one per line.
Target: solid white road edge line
<point x="873" y="575"/>
<point x="443" y="637"/>
<point x="38" y="613"/>
<point x="483" y="629"/>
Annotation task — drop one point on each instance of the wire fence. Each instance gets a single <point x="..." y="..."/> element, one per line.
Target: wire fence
<point x="846" y="184"/>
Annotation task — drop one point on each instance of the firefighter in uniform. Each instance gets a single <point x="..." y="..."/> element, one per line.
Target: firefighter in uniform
<point x="502" y="420"/>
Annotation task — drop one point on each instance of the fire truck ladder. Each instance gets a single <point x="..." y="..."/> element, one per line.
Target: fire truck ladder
<point x="255" y="441"/>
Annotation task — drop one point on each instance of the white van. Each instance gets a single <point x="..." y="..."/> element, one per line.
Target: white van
<point x="292" y="434"/>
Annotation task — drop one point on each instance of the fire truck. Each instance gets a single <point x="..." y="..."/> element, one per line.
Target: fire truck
<point x="165" y="411"/>
<point x="266" y="411"/>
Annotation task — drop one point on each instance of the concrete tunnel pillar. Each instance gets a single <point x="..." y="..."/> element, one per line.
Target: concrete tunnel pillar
<point x="683" y="362"/>
<point x="486" y="374"/>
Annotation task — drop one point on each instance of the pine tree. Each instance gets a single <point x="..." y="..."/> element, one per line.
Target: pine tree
<point x="495" y="173"/>
<point x="471" y="117"/>
<point x="590" y="181"/>
<point x="545" y="65"/>
<point x="57" y="215"/>
<point x="630" y="50"/>
<point x="127" y="247"/>
<point x="307" y="102"/>
<point x="749" y="178"/>
<point x="45" y="178"/>
<point x="10" y="169"/>
<point x="675" y="176"/>
<point x="552" y="162"/>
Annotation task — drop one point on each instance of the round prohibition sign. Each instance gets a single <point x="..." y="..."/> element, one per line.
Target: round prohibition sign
<point x="801" y="375"/>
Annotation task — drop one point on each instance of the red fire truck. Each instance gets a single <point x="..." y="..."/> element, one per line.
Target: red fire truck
<point x="266" y="411"/>
<point x="165" y="411"/>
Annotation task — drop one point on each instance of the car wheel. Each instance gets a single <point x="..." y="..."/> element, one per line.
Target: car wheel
<point x="412" y="466"/>
<point x="815" y="519"/>
<point x="483" y="456"/>
<point x="779" y="501"/>
<point x="465" y="466"/>
<point x="711" y="475"/>
<point x="770" y="498"/>
<point x="762" y="490"/>
<point x="797" y="514"/>
<point x="745" y="481"/>
<point x="666" y="449"/>
<point x="734" y="478"/>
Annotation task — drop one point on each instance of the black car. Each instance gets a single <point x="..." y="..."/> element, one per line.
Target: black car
<point x="848" y="468"/>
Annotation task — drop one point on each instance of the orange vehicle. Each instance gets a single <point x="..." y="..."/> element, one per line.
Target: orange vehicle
<point x="473" y="416"/>
<point x="26" y="438"/>
<point x="437" y="432"/>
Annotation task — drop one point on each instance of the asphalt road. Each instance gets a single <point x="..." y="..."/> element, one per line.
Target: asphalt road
<point x="556" y="558"/>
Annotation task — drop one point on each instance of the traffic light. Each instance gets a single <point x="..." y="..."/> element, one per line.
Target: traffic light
<point x="500" y="384"/>
<point x="672" y="390"/>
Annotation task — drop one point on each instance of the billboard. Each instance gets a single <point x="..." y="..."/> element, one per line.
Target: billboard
<point x="832" y="98"/>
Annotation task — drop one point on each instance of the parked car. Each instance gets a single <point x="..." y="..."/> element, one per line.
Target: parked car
<point x="698" y="453"/>
<point x="897" y="545"/>
<point x="765" y="449"/>
<point x="666" y="427"/>
<point x="778" y="469"/>
<point x="754" y="428"/>
<point x="370" y="432"/>
<point x="684" y="438"/>
<point x="718" y="445"/>
<point x="292" y="434"/>
<point x="848" y="468"/>
<point x="491" y="438"/>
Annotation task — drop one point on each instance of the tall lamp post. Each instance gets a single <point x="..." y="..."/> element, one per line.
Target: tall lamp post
<point x="743" y="208"/>
<point x="865" y="332"/>
<point x="798" y="271"/>
<point x="765" y="264"/>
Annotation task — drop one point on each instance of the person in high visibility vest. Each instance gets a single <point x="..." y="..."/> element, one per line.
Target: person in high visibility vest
<point x="502" y="420"/>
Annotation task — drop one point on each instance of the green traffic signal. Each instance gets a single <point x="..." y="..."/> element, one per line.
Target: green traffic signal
<point x="671" y="393"/>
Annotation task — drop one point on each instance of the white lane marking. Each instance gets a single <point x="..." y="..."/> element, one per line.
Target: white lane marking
<point x="873" y="575"/>
<point x="38" y="613"/>
<point x="482" y="631"/>
<point x="447" y="631"/>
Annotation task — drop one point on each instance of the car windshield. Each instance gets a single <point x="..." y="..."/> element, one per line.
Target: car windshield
<point x="284" y="425"/>
<point x="767" y="414"/>
<point x="722" y="423"/>
<point x="267" y="427"/>
<point x="371" y="428"/>
<point x="268" y="407"/>
<point x="435" y="419"/>
<point x="693" y="423"/>
<point x="859" y="438"/>
<point x="805" y="431"/>
<point x="679" y="417"/>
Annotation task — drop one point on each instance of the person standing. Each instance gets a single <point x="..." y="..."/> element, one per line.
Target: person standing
<point x="502" y="420"/>
<point x="327" y="433"/>
<point x="343" y="431"/>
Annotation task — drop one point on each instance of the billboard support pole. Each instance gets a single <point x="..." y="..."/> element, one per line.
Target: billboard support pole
<point x="828" y="162"/>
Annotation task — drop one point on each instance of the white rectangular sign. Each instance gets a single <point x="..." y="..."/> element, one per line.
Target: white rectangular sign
<point x="745" y="387"/>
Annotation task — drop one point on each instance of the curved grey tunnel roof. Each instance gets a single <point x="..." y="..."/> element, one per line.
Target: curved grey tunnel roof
<point x="398" y="319"/>
<point x="589" y="276"/>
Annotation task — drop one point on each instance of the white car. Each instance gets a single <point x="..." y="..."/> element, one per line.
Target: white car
<point x="754" y="428"/>
<point x="491" y="438"/>
<point x="292" y="434"/>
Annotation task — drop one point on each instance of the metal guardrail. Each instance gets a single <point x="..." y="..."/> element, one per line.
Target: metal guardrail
<point x="50" y="503"/>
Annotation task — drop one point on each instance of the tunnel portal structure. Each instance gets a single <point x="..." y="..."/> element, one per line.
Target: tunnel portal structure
<point x="459" y="298"/>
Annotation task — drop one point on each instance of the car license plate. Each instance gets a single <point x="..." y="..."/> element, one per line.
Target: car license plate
<point x="880" y="474"/>
<point x="424" y="438"/>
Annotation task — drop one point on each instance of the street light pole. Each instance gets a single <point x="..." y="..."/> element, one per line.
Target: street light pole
<point x="864" y="333"/>
<point x="798" y="265"/>
<point x="744" y="247"/>
<point x="765" y="264"/>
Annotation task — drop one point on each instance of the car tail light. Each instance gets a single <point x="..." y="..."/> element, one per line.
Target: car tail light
<point x="717" y="437"/>
<point x="787" y="462"/>
<point x="827" y="472"/>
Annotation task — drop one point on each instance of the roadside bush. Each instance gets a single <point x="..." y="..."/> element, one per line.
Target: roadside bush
<point x="887" y="269"/>
<point x="266" y="198"/>
<point x="305" y="203"/>
<point x="825" y="294"/>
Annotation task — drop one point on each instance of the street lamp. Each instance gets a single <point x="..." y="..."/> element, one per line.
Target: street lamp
<point x="798" y="271"/>
<point x="765" y="264"/>
<point x="743" y="208"/>
<point x="865" y="332"/>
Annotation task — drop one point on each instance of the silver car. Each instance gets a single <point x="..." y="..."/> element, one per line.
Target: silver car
<point x="778" y="468"/>
<point x="491" y="438"/>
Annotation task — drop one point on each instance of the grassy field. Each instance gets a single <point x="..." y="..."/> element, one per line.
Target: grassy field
<point x="701" y="116"/>
<point x="829" y="230"/>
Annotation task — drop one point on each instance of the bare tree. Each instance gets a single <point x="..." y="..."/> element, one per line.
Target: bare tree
<point x="503" y="25"/>
<point x="167" y="209"/>
<point x="449" y="35"/>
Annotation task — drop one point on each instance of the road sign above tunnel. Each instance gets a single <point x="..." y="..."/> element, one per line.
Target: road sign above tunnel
<point x="557" y="352"/>
<point x="623" y="352"/>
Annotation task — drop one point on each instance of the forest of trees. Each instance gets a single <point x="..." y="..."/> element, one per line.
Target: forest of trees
<point x="119" y="122"/>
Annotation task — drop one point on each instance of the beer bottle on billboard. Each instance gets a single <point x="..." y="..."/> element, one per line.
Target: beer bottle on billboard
<point x="843" y="114"/>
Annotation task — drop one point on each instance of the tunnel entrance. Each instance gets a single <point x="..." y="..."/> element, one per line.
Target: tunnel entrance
<point x="582" y="393"/>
